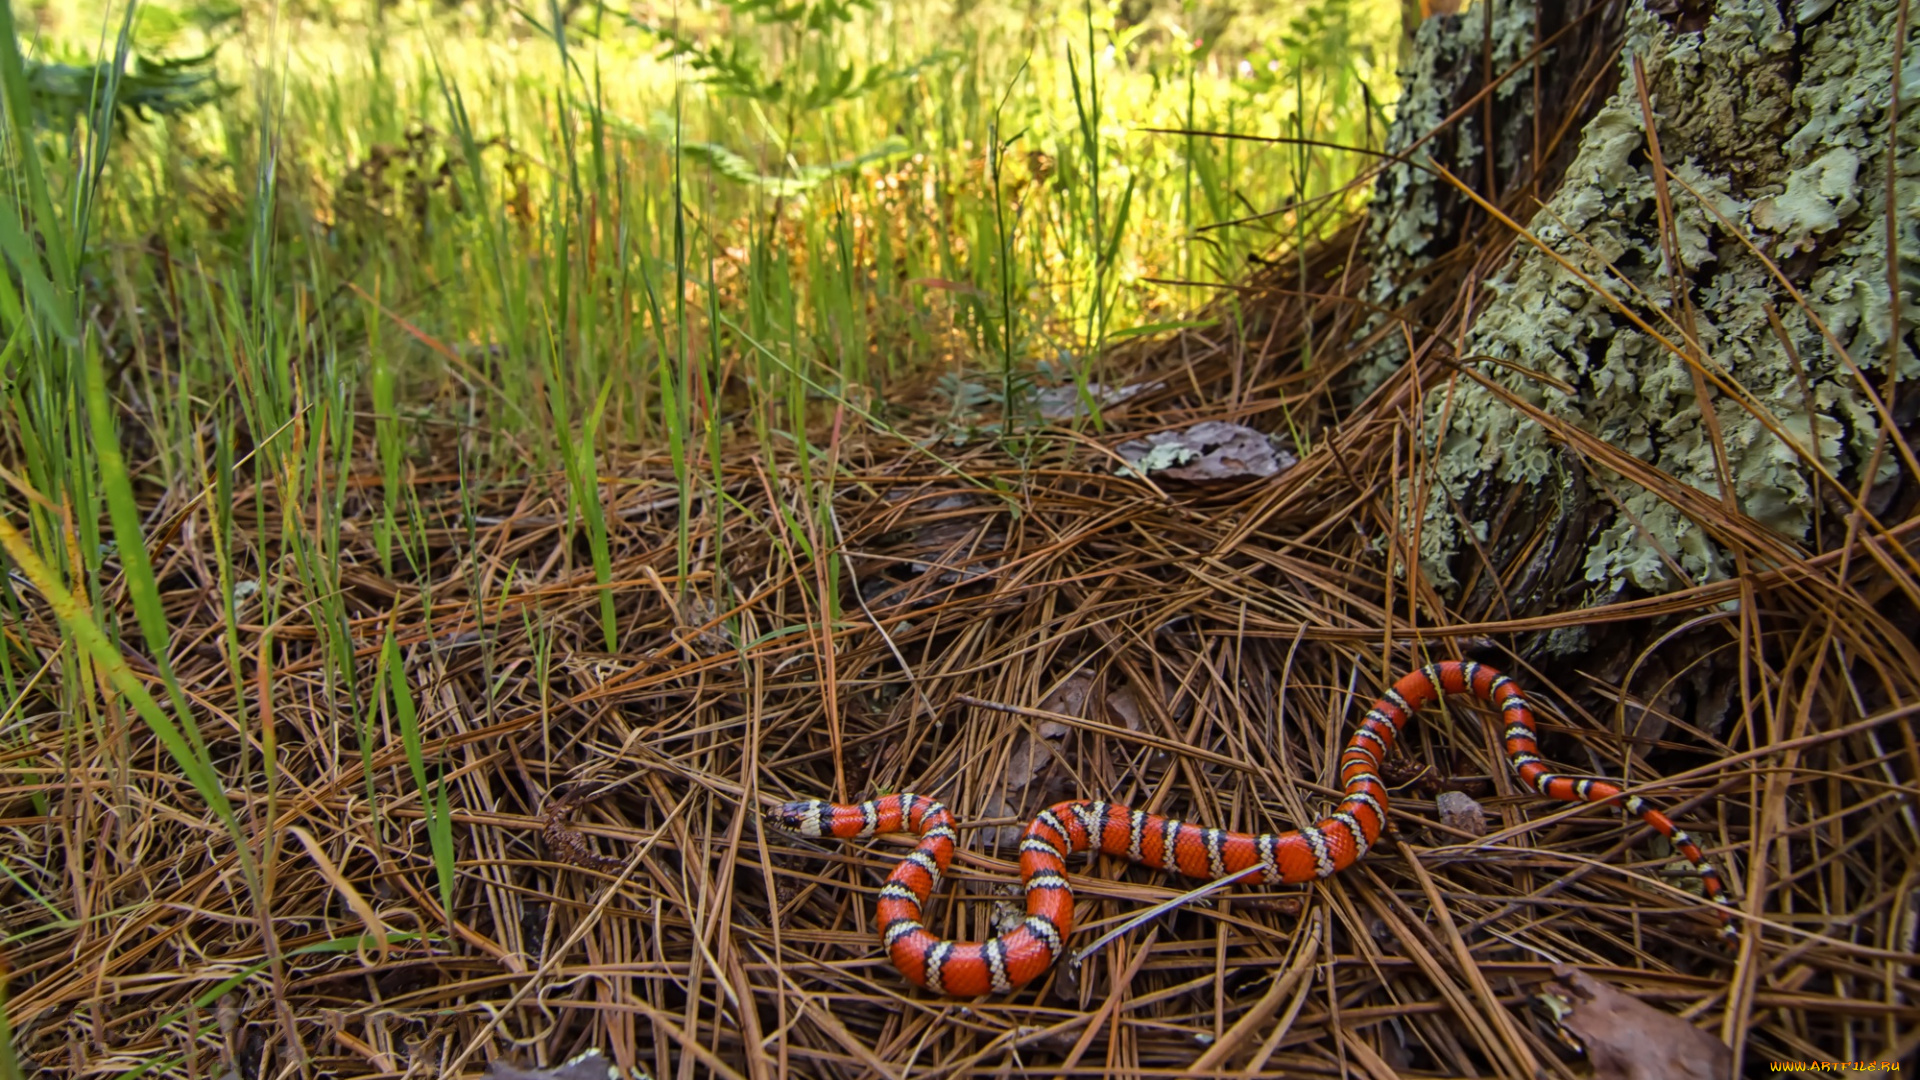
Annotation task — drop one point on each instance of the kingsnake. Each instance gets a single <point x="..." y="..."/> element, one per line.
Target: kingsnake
<point x="1015" y="957"/>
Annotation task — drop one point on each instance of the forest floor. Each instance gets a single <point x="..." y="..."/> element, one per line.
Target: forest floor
<point x="448" y="443"/>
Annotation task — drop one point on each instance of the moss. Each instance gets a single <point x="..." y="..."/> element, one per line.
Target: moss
<point x="1800" y="169"/>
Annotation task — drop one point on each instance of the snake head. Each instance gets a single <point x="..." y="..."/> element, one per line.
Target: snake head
<point x="797" y="817"/>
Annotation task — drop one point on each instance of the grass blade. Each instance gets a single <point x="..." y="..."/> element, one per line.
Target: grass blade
<point x="433" y="797"/>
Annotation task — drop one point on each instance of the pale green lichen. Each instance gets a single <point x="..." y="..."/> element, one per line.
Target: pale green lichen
<point x="1796" y="166"/>
<point x="1404" y="218"/>
<point x="1818" y="197"/>
<point x="1426" y="91"/>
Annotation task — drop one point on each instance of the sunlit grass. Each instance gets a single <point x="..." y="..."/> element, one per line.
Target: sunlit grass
<point x="943" y="248"/>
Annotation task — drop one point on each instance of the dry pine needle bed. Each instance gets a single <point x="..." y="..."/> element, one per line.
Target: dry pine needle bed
<point x="1203" y="654"/>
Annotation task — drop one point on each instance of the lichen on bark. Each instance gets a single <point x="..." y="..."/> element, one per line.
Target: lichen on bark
<point x="1780" y="122"/>
<point x="1415" y="214"/>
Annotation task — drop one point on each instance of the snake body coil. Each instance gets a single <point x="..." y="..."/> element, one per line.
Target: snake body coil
<point x="1023" y="953"/>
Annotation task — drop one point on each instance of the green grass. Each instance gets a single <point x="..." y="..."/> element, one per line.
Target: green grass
<point x="902" y="190"/>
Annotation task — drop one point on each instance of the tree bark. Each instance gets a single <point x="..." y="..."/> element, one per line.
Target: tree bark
<point x="1737" y="258"/>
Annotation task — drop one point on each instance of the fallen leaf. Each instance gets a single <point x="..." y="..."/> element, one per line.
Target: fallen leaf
<point x="1627" y="1039"/>
<point x="1124" y="704"/>
<point x="1459" y="811"/>
<point x="1070" y="697"/>
<point x="1034" y="749"/>
<point x="1209" y="450"/>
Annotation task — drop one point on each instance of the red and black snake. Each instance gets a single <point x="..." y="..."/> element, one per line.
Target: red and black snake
<point x="1011" y="959"/>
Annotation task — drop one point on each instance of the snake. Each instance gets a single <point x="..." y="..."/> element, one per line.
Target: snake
<point x="1019" y="954"/>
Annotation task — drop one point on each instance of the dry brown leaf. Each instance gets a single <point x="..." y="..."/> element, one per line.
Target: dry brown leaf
<point x="1627" y="1039"/>
<point x="1125" y="704"/>
<point x="1034" y="749"/>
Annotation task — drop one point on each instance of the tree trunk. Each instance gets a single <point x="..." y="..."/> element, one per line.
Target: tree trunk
<point x="1740" y="259"/>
